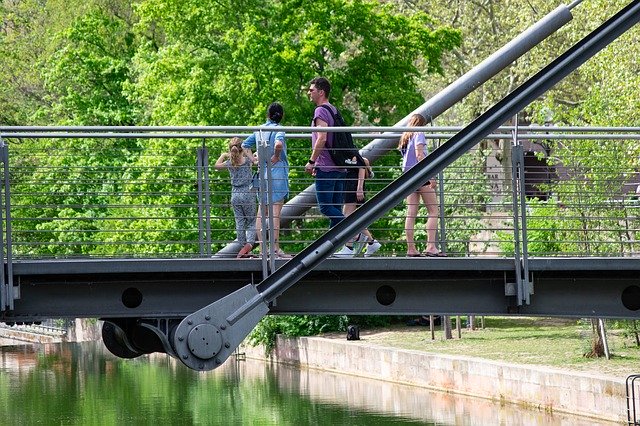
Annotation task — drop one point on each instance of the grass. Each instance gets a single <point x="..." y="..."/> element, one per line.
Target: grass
<point x="554" y="342"/>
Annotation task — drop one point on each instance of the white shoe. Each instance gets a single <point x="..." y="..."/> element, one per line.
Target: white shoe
<point x="372" y="247"/>
<point x="344" y="252"/>
<point x="359" y="243"/>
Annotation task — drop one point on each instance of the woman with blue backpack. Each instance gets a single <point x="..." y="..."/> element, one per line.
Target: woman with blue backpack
<point x="279" y="169"/>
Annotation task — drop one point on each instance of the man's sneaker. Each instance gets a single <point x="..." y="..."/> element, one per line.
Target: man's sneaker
<point x="359" y="243"/>
<point x="372" y="247"/>
<point x="344" y="252"/>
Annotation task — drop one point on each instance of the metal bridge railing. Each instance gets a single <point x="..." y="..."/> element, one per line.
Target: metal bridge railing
<point x="152" y="192"/>
<point x="632" y="386"/>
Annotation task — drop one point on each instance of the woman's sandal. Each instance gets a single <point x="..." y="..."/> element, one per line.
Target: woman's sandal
<point x="245" y="251"/>
<point x="438" y="254"/>
<point x="282" y="255"/>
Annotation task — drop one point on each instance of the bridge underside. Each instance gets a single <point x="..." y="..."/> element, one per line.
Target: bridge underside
<point x="161" y="288"/>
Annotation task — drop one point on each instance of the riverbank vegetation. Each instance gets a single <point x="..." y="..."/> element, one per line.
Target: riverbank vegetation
<point x="555" y="342"/>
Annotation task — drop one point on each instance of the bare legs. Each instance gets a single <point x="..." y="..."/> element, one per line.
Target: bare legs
<point x="349" y="208"/>
<point x="413" y="204"/>
<point x="277" y="209"/>
<point x="428" y="196"/>
<point x="429" y="200"/>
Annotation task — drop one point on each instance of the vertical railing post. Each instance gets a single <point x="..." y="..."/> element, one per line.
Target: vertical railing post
<point x="207" y="199"/>
<point x="521" y="252"/>
<point x="266" y="207"/>
<point x="4" y="293"/>
<point x="516" y="164"/>
<point x="200" y="201"/>
<point x="199" y="173"/>
<point x="6" y="277"/>
<point x="442" y="232"/>
<point x="526" y="282"/>
<point x="204" y="200"/>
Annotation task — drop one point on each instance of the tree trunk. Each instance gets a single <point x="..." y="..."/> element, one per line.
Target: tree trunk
<point x="634" y="325"/>
<point x="597" y="342"/>
<point x="432" y="327"/>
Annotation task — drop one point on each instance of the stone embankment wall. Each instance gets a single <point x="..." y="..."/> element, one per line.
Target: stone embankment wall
<point x="84" y="330"/>
<point x="553" y="390"/>
<point x="13" y="335"/>
<point x="80" y="330"/>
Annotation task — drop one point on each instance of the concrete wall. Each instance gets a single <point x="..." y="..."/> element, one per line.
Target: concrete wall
<point x="79" y="330"/>
<point x="84" y="330"/>
<point x="549" y="389"/>
<point x="12" y="336"/>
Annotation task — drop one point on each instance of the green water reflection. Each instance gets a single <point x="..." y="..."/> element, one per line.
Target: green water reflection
<point x="82" y="384"/>
<point x="72" y="384"/>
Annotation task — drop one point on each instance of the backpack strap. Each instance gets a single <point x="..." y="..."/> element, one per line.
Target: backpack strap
<point x="334" y="116"/>
<point x="337" y="117"/>
<point x="328" y="108"/>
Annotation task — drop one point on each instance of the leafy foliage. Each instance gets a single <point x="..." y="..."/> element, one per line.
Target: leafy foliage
<point x="294" y="325"/>
<point x="86" y="78"/>
<point x="251" y="54"/>
<point x="308" y="325"/>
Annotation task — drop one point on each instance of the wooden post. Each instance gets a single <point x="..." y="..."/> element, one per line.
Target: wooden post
<point x="432" y="328"/>
<point x="446" y="327"/>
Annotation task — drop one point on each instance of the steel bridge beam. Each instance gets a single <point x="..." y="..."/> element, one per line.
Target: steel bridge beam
<point x="147" y="288"/>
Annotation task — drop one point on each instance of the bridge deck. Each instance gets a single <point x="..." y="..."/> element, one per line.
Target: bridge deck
<point x="156" y="288"/>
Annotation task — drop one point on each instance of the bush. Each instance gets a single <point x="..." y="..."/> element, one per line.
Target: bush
<point x="307" y="325"/>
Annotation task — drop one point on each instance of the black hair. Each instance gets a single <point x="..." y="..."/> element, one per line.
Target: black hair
<point x="275" y="112"/>
<point x="323" y="84"/>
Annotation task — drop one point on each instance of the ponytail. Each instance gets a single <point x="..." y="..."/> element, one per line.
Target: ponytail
<point x="236" y="152"/>
<point x="275" y="112"/>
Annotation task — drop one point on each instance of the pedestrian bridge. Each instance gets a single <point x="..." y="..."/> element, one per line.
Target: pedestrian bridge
<point x="134" y="223"/>
<point x="133" y="226"/>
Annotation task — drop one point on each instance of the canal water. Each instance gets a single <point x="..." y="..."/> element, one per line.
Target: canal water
<point x="82" y="384"/>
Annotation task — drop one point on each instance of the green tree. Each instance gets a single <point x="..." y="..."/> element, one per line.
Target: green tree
<point x="224" y="62"/>
<point x="26" y="31"/>
<point x="87" y="76"/>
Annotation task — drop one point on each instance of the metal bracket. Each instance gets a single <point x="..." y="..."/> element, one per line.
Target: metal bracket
<point x="207" y="337"/>
<point x="162" y="333"/>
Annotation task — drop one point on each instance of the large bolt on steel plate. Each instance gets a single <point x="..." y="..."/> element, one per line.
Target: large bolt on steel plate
<point x="204" y="341"/>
